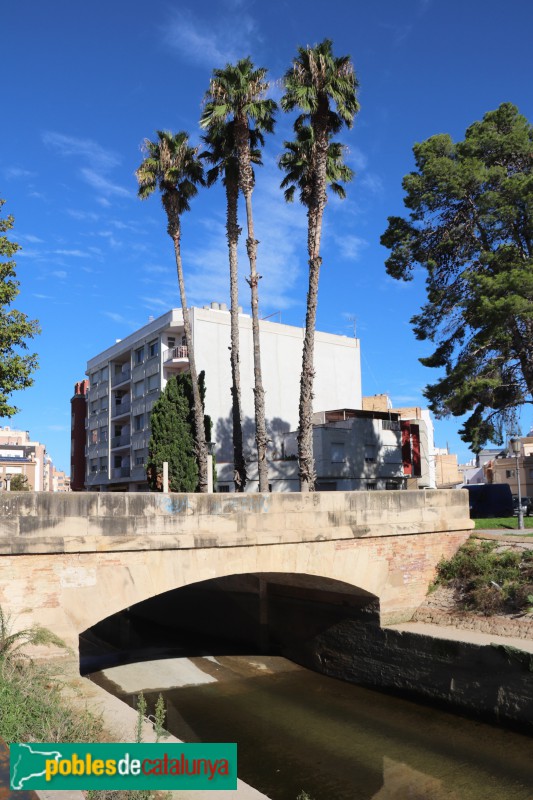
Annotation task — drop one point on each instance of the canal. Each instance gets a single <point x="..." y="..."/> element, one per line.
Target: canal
<point x="300" y="731"/>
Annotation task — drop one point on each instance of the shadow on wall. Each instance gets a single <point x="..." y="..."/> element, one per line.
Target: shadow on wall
<point x="276" y="428"/>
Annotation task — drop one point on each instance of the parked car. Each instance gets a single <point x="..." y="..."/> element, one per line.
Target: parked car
<point x="527" y="505"/>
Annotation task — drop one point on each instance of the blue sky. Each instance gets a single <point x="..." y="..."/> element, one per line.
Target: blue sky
<point x="85" y="83"/>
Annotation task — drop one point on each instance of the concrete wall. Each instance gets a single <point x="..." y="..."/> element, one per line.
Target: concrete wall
<point x="68" y="561"/>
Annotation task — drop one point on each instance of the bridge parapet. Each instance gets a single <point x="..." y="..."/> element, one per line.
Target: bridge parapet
<point x="33" y="523"/>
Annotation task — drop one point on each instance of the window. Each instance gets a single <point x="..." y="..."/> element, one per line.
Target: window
<point x="337" y="452"/>
<point x="138" y="422"/>
<point x="139" y="461"/>
<point x="94" y="465"/>
<point x="152" y="383"/>
<point x="224" y="487"/>
<point x="371" y="487"/>
<point x="171" y="341"/>
<point x="94" y="436"/>
<point x="95" y="378"/>
<point x="104" y="374"/>
<point x="153" y="348"/>
<point x="103" y="434"/>
<point x="138" y="388"/>
<point x="509" y="473"/>
<point x="103" y="403"/>
<point x="390" y="425"/>
<point x="139" y="355"/>
<point x="370" y="453"/>
<point x="94" y="406"/>
<point x="103" y="464"/>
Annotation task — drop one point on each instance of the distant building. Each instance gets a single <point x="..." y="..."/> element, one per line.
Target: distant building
<point x="21" y="456"/>
<point x="447" y="473"/>
<point x="502" y="468"/>
<point x="418" y="442"/>
<point x="126" y="380"/>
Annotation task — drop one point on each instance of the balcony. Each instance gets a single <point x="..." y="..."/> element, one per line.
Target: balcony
<point x="120" y="472"/>
<point x="120" y="441"/>
<point x="177" y="358"/>
<point x="122" y="408"/>
<point x="121" y="377"/>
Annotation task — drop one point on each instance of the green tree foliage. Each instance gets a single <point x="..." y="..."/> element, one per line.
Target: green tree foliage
<point x="172" y="441"/>
<point x="471" y="227"/>
<point x="19" y="483"/>
<point x="16" y="366"/>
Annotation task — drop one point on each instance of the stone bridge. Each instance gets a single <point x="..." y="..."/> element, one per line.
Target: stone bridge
<point x="68" y="561"/>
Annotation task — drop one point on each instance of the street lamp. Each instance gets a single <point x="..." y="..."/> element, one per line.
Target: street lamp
<point x="515" y="443"/>
<point x="210" y="453"/>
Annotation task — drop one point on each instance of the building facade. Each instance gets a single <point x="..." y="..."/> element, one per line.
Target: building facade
<point x="19" y="455"/>
<point x="126" y="380"/>
<point x="504" y="467"/>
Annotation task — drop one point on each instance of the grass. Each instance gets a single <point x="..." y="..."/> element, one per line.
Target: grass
<point x="503" y="523"/>
<point x="489" y="580"/>
<point x="34" y="709"/>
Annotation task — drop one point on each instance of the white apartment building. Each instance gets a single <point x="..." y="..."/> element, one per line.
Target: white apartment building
<point x="127" y="379"/>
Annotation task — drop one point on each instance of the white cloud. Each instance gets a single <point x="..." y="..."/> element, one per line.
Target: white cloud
<point x="208" y="41"/>
<point x="59" y="273"/>
<point x="350" y="246"/>
<point x="100" y="161"/>
<point x="72" y="253"/>
<point x="102" y="184"/>
<point x="85" y="149"/>
<point x="29" y="237"/>
<point x="82" y="215"/>
<point x="18" y="172"/>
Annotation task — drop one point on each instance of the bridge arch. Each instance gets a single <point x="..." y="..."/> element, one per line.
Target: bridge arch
<point x="67" y="562"/>
<point x="268" y="613"/>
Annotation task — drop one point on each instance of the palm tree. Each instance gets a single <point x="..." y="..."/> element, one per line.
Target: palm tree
<point x="323" y="88"/>
<point x="172" y="166"/>
<point x="236" y="93"/>
<point x="222" y="155"/>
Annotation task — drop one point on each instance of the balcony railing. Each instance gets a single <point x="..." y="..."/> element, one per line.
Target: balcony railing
<point x="178" y="352"/>
<point x="120" y="441"/>
<point x="121" y="408"/>
<point x="120" y="377"/>
<point x="121" y="472"/>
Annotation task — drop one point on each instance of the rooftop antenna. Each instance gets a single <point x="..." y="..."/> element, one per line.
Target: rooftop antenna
<point x="353" y="320"/>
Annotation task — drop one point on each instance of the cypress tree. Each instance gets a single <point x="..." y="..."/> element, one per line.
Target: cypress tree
<point x="172" y="441"/>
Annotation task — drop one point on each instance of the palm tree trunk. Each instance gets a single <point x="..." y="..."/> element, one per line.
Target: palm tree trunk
<point x="261" y="437"/>
<point x="246" y="182"/>
<point x="232" y="232"/>
<point x="314" y="233"/>
<point x="199" y="438"/>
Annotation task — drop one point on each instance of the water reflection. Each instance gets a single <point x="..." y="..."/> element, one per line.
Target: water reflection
<point x="298" y="730"/>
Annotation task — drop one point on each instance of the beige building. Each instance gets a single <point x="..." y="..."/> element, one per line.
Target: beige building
<point x="21" y="456"/>
<point x="503" y="468"/>
<point x="447" y="473"/>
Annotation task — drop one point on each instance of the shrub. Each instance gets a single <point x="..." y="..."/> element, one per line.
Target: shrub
<point x="488" y="579"/>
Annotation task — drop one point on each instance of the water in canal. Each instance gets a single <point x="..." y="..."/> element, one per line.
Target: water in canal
<point x="297" y="730"/>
